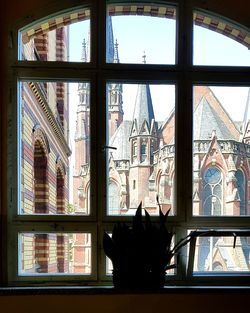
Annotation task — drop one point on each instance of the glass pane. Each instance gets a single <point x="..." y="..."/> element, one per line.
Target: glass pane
<point x="221" y="149"/>
<point x="141" y="128"/>
<point x="217" y="254"/>
<point x="219" y="42"/>
<point x="59" y="38"/>
<point x="141" y="34"/>
<point x="54" y="253"/>
<point x="55" y="142"/>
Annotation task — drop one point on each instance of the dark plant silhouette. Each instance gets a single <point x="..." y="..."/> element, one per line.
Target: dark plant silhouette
<point x="141" y="254"/>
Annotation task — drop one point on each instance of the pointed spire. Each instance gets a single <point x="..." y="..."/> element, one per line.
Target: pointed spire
<point x="116" y="55"/>
<point x="109" y="41"/>
<point x="144" y="58"/>
<point x="84" y="51"/>
<point x="246" y="115"/>
<point x="143" y="110"/>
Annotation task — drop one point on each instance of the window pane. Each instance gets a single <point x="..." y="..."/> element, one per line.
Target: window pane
<point x="141" y="126"/>
<point x="54" y="253"/>
<point x="55" y="148"/>
<point x="219" y="42"/>
<point x="60" y="38"/>
<point x="141" y="34"/>
<point x="221" y="148"/>
<point x="217" y="254"/>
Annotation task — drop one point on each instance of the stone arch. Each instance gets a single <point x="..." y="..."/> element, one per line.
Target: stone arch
<point x="113" y="197"/>
<point x="40" y="135"/>
<point x="204" y="19"/>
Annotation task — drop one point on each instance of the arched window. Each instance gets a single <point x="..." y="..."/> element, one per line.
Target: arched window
<point x="113" y="199"/>
<point x="143" y="151"/>
<point x="212" y="192"/>
<point x="241" y="186"/>
<point x="177" y="78"/>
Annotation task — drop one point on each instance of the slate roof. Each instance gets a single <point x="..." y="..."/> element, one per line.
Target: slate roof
<point x="120" y="140"/>
<point x="206" y="119"/>
<point x="143" y="109"/>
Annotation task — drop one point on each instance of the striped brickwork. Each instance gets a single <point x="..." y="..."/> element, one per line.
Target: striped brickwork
<point x="47" y="145"/>
<point x="202" y="19"/>
<point x="60" y="197"/>
<point x="45" y="253"/>
<point x="55" y="23"/>
<point x="41" y="46"/>
<point x="41" y="253"/>
<point x="222" y="27"/>
<point x="41" y="188"/>
<point x="62" y="253"/>
<point x="28" y="253"/>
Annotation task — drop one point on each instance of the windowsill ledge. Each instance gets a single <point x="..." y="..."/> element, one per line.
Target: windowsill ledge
<point x="110" y="290"/>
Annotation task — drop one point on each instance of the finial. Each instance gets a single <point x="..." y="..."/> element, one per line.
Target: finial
<point x="84" y="51"/>
<point x="116" y="55"/>
<point x="144" y="58"/>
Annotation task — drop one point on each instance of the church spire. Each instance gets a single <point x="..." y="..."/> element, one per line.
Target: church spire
<point x="143" y="109"/>
<point x="116" y="55"/>
<point x="109" y="41"/>
<point x="84" y="51"/>
<point x="246" y="116"/>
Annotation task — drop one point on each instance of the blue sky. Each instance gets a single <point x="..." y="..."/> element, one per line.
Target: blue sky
<point x="156" y="37"/>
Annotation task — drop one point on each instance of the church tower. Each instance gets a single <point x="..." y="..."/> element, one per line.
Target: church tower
<point x="143" y="142"/>
<point x="114" y="91"/>
<point x="82" y="135"/>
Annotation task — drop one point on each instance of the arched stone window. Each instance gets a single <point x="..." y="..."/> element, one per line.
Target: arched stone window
<point x="241" y="186"/>
<point x="143" y="151"/>
<point x="113" y="198"/>
<point x="212" y="191"/>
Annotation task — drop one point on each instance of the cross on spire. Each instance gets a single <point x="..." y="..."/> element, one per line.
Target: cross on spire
<point x="144" y="58"/>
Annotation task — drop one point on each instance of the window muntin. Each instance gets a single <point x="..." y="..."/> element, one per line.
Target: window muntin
<point x="130" y="23"/>
<point x="154" y="75"/>
<point x="141" y="146"/>
<point x="213" y="38"/>
<point x="220" y="150"/>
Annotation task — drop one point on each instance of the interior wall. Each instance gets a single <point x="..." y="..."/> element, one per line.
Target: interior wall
<point x="13" y="12"/>
<point x="221" y="302"/>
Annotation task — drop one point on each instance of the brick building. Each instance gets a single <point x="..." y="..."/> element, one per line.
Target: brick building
<point x="142" y="157"/>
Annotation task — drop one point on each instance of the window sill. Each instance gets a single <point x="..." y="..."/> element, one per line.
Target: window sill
<point x="110" y="290"/>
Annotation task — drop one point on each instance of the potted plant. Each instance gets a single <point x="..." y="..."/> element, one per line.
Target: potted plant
<point x="141" y="254"/>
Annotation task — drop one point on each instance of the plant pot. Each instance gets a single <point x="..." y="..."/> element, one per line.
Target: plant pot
<point x="138" y="280"/>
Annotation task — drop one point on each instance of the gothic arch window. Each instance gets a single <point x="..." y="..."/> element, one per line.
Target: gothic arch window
<point x="114" y="198"/>
<point x="134" y="151"/>
<point x="143" y="151"/>
<point x="212" y="191"/>
<point x="241" y="186"/>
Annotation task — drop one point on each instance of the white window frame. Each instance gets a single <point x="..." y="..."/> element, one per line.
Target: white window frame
<point x="184" y="75"/>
